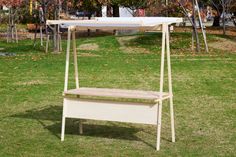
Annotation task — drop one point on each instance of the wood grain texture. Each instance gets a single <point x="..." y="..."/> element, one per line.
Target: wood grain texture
<point x="117" y="93"/>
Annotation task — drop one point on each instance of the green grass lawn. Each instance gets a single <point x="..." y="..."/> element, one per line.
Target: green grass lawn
<point x="204" y="85"/>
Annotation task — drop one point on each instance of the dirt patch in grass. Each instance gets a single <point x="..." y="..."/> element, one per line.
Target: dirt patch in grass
<point x="134" y="50"/>
<point x="123" y="40"/>
<point x="224" y="44"/>
<point x="88" y="55"/>
<point x="89" y="47"/>
<point x="209" y="30"/>
<point x="30" y="83"/>
<point x="130" y="49"/>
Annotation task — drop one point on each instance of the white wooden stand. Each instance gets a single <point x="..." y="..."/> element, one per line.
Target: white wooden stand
<point x="107" y="107"/>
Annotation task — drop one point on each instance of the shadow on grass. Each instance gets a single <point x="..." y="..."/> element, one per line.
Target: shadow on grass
<point x="95" y="130"/>
<point x="111" y="130"/>
<point x="51" y="113"/>
<point x="25" y="46"/>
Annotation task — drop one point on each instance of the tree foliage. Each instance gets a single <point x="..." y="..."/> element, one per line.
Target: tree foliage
<point x="11" y="3"/>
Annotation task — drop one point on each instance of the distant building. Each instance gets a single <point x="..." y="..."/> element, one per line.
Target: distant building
<point x="4" y="8"/>
<point x="125" y="12"/>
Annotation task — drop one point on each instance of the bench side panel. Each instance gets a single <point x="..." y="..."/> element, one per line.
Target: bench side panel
<point x="110" y="111"/>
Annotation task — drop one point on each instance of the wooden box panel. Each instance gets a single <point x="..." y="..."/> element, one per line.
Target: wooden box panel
<point x="110" y="110"/>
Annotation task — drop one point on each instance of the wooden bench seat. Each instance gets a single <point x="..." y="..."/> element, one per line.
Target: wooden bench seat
<point x="117" y="93"/>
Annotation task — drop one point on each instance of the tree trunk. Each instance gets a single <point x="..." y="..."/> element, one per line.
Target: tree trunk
<point x="44" y="8"/>
<point x="223" y="20"/>
<point x="195" y="28"/>
<point x="109" y="11"/>
<point x="12" y="32"/>
<point x="65" y="3"/>
<point x="216" y="22"/>
<point x="56" y="35"/>
<point x="116" y="11"/>
<point x="99" y="12"/>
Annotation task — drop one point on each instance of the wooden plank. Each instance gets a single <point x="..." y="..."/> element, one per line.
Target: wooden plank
<point x="67" y="60"/>
<point x="117" y="93"/>
<point x="164" y="29"/>
<point x="140" y="23"/>
<point x="121" y="20"/>
<point x="110" y="111"/>
<point x="75" y="60"/>
<point x="170" y="85"/>
<point x="108" y="28"/>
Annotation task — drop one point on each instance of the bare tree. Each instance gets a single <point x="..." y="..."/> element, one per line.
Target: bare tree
<point x="51" y="9"/>
<point x="222" y="7"/>
<point x="226" y="5"/>
<point x="13" y="6"/>
<point x="192" y="20"/>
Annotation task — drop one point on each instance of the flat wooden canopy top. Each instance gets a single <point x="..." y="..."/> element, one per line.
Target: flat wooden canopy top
<point x="117" y="93"/>
<point x="147" y="23"/>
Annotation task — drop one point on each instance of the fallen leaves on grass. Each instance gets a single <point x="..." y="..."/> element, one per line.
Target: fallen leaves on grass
<point x="30" y="82"/>
<point x="130" y="49"/>
<point x="89" y="47"/>
<point x="224" y="44"/>
<point x="88" y="55"/>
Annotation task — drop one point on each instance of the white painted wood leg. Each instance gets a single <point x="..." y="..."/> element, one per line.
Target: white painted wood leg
<point x="164" y="28"/>
<point x="76" y="75"/>
<point x="66" y="84"/>
<point x="159" y="126"/>
<point x="75" y="60"/>
<point x="63" y="127"/>
<point x="67" y="60"/>
<point x="172" y="120"/>
<point x="170" y="85"/>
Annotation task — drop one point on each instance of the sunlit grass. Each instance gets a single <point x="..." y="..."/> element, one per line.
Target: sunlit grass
<point x="31" y="85"/>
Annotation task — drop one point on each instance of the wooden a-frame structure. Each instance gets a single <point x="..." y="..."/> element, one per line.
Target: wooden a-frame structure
<point x="82" y="102"/>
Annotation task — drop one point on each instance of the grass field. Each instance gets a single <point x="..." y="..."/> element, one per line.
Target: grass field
<point x="31" y="85"/>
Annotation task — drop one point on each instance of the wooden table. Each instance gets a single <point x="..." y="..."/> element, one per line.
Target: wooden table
<point x="116" y="104"/>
